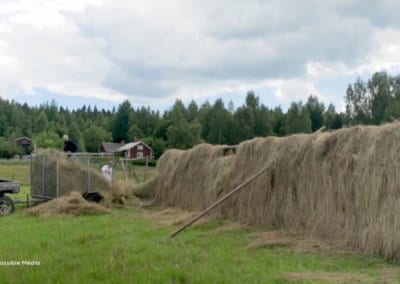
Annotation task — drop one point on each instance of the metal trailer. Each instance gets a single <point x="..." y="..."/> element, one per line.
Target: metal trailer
<point x="6" y="203"/>
<point x="46" y="179"/>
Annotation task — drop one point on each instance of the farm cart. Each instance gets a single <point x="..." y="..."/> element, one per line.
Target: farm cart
<point x="6" y="203"/>
<point x="53" y="175"/>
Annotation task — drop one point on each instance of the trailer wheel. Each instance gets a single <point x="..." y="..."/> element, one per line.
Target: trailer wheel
<point x="93" y="196"/>
<point x="6" y="205"/>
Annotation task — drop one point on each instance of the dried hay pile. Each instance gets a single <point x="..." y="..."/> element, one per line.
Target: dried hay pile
<point x="71" y="204"/>
<point x="327" y="277"/>
<point x="190" y="179"/>
<point x="123" y="192"/>
<point x="142" y="190"/>
<point x="297" y="243"/>
<point x="341" y="186"/>
<point x="169" y="216"/>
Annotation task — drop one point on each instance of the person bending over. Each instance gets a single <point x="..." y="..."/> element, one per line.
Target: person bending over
<point x="69" y="145"/>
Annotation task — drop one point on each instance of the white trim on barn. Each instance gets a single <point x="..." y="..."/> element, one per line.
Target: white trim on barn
<point x="129" y="146"/>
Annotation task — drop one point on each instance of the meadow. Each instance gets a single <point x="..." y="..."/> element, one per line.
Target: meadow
<point x="130" y="245"/>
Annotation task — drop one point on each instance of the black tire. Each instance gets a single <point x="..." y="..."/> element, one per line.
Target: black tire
<point x="93" y="197"/>
<point x="6" y="205"/>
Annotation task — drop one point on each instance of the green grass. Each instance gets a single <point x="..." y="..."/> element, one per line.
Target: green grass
<point x="16" y="170"/>
<point x="19" y="171"/>
<point x="125" y="247"/>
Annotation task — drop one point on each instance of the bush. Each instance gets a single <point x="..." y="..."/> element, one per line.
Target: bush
<point x="152" y="163"/>
<point x="9" y="149"/>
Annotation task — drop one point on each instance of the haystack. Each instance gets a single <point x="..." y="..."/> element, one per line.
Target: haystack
<point x="71" y="204"/>
<point x="191" y="179"/>
<point x="340" y="186"/>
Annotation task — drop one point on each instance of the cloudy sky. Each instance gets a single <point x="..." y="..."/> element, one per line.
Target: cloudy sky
<point x="101" y="52"/>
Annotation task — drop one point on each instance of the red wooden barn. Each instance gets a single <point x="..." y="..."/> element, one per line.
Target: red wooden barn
<point x="23" y="141"/>
<point x="109" y="147"/>
<point x="137" y="150"/>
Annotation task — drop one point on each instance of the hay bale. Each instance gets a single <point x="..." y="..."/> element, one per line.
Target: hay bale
<point x="71" y="204"/>
<point x="189" y="178"/>
<point x="119" y="193"/>
<point x="339" y="186"/>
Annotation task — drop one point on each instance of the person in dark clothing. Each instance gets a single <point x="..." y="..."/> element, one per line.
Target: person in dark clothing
<point x="69" y="145"/>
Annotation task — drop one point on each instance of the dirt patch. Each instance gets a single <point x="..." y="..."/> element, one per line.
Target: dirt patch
<point x="327" y="277"/>
<point x="71" y="204"/>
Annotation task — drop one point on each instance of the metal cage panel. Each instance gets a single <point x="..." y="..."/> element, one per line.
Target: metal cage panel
<point x="47" y="180"/>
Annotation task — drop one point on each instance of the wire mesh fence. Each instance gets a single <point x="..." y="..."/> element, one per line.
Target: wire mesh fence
<point x="54" y="174"/>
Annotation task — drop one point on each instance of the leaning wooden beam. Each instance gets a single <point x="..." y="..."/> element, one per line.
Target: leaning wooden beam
<point x="216" y="203"/>
<point x="319" y="130"/>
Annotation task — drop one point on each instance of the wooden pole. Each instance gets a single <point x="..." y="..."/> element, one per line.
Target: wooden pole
<point x="145" y="170"/>
<point x="319" y="130"/>
<point x="216" y="203"/>
<point x="134" y="173"/>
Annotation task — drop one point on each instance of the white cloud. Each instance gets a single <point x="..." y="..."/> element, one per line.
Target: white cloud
<point x="294" y="90"/>
<point x="158" y="51"/>
<point x="385" y="51"/>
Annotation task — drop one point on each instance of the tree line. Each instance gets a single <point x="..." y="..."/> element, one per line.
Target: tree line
<point x="183" y="126"/>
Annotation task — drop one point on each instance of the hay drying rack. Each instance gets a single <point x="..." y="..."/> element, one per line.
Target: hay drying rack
<point x="129" y="169"/>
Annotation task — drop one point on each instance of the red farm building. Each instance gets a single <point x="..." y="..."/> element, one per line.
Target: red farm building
<point x="136" y="150"/>
<point x="109" y="147"/>
<point x="25" y="143"/>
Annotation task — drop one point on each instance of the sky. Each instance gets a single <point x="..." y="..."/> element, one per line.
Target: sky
<point x="102" y="52"/>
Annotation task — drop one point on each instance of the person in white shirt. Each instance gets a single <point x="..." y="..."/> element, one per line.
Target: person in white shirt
<point x="107" y="171"/>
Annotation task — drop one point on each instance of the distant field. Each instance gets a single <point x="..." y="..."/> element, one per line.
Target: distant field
<point x="16" y="170"/>
<point x="130" y="245"/>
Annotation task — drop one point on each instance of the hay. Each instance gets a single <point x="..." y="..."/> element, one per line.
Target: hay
<point x="296" y="243"/>
<point x="128" y="192"/>
<point x="341" y="186"/>
<point x="71" y="204"/>
<point x="272" y="239"/>
<point x="169" y="216"/>
<point x="143" y="190"/>
<point x="119" y="192"/>
<point x="327" y="277"/>
<point x="189" y="179"/>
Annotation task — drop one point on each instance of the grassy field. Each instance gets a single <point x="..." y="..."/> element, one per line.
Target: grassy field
<point x="130" y="246"/>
